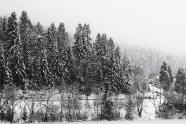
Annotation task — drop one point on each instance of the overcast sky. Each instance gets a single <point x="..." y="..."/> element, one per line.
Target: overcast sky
<point x="159" y="24"/>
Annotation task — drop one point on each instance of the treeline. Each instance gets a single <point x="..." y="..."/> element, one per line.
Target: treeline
<point x="36" y="59"/>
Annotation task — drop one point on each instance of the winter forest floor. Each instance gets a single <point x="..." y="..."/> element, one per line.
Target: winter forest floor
<point x="173" y="121"/>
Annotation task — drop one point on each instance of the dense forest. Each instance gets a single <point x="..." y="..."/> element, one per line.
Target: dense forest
<point x="34" y="59"/>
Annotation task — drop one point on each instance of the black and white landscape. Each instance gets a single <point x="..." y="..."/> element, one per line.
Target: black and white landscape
<point x="92" y="60"/>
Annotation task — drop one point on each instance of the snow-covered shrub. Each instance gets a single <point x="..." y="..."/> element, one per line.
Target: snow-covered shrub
<point x="167" y="111"/>
<point x="107" y="111"/>
<point x="53" y="113"/>
<point x="39" y="116"/>
<point x="129" y="109"/>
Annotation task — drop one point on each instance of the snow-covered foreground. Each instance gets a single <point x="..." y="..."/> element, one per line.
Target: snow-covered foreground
<point x="173" y="121"/>
<point x="149" y="105"/>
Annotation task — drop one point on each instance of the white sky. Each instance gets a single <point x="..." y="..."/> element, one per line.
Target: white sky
<point x="152" y="23"/>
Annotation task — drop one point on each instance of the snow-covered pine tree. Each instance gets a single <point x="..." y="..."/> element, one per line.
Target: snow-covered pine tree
<point x="100" y="46"/>
<point x="36" y="41"/>
<point x="56" y="68"/>
<point x="51" y="37"/>
<point x="2" y="72"/>
<point x="98" y="51"/>
<point x="34" y="75"/>
<point x="35" y="46"/>
<point x="39" y="29"/>
<point x="14" y="53"/>
<point x="82" y="48"/>
<point x="46" y="77"/>
<point x="110" y="67"/>
<point x="82" y="45"/>
<point x="3" y="28"/>
<point x="25" y="32"/>
<point x="164" y="77"/>
<point x="116" y="71"/>
<point x="180" y="83"/>
<point x="11" y="32"/>
<point x="171" y="75"/>
<point x="126" y="72"/>
<point x="67" y="65"/>
<point x="62" y="39"/>
<point x="110" y="48"/>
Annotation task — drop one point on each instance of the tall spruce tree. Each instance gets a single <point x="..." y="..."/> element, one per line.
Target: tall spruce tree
<point x="46" y="77"/>
<point x="81" y="51"/>
<point x="126" y="73"/>
<point x="51" y="43"/>
<point x="25" y="31"/>
<point x="39" y="29"/>
<point x="56" y="68"/>
<point x="2" y="72"/>
<point x="62" y="39"/>
<point x="164" y="77"/>
<point x="81" y="47"/>
<point x="3" y="28"/>
<point x="180" y="83"/>
<point x="14" y="52"/>
<point x="67" y="66"/>
<point x="11" y="32"/>
<point x="170" y="74"/>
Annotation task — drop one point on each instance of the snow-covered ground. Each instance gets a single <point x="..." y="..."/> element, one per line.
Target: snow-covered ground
<point x="120" y="122"/>
<point x="151" y="102"/>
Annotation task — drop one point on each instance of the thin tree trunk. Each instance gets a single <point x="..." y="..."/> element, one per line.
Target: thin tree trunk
<point x="32" y="111"/>
<point x="69" y="109"/>
<point x="160" y="95"/>
<point x="97" y="105"/>
<point x="46" y="114"/>
<point x="61" y="115"/>
<point x="1" y="108"/>
<point x="12" y="115"/>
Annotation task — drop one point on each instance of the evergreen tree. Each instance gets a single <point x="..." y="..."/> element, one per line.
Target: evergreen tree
<point x="115" y="72"/>
<point x="11" y="32"/>
<point x="46" y="77"/>
<point x="51" y="45"/>
<point x="36" y="46"/>
<point x="100" y="46"/>
<point x="82" y="45"/>
<point x="34" y="74"/>
<point x="14" y="53"/>
<point x="56" y="68"/>
<point x="180" y="81"/>
<point x="2" y="72"/>
<point x="126" y="72"/>
<point x="67" y="65"/>
<point x="39" y="29"/>
<point x="3" y="28"/>
<point x="82" y="51"/>
<point x="110" y="48"/>
<point x="170" y="74"/>
<point x="164" y="77"/>
<point x="24" y="28"/>
<point x="62" y="40"/>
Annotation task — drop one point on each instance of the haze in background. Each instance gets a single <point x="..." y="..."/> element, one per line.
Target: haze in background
<point x="159" y="24"/>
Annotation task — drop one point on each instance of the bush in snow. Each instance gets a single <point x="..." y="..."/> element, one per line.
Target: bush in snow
<point x="129" y="108"/>
<point x="107" y="111"/>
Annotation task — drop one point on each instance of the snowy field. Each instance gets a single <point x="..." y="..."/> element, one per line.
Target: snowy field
<point x="183" y="121"/>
